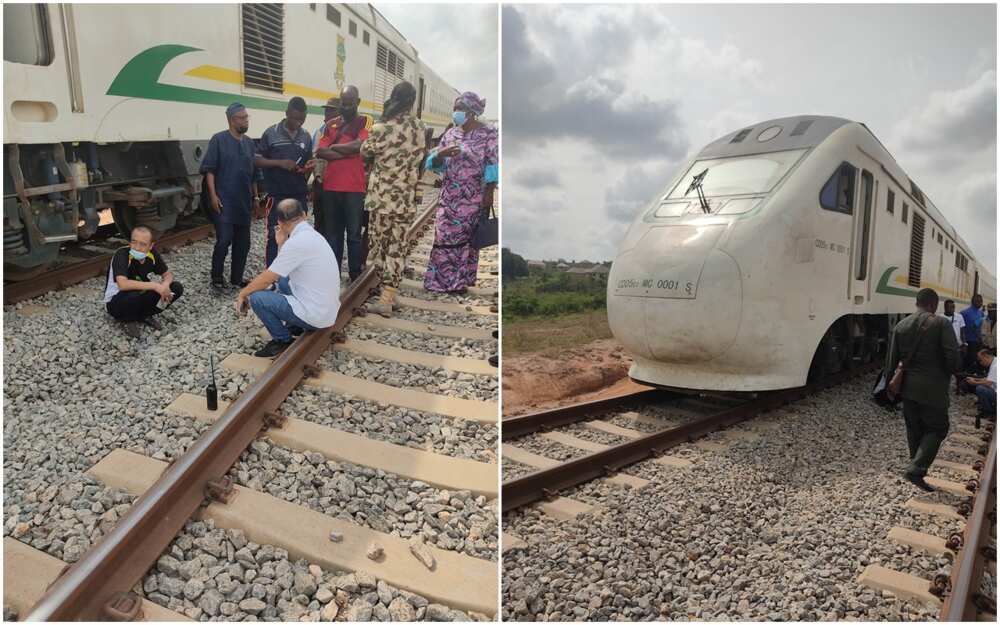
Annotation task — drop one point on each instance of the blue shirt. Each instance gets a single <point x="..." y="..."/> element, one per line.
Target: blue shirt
<point x="277" y="144"/>
<point x="973" y="324"/>
<point x="231" y="160"/>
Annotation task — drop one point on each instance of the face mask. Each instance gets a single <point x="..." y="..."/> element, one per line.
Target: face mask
<point x="137" y="255"/>
<point x="458" y="117"/>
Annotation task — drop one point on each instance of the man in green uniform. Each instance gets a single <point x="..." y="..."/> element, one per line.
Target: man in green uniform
<point x="926" y="344"/>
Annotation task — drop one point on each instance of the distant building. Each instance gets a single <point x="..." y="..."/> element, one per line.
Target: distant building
<point x="562" y="266"/>
<point x="536" y="264"/>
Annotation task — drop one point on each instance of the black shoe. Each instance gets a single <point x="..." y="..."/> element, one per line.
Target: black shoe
<point x="295" y="330"/>
<point x="153" y="322"/>
<point x="272" y="349"/>
<point x="494" y="361"/>
<point x="918" y="481"/>
<point x="218" y="284"/>
<point x="239" y="284"/>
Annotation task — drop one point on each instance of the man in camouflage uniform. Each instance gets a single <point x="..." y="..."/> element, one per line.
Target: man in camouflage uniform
<point x="396" y="147"/>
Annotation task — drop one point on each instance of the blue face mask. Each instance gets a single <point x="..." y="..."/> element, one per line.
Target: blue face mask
<point x="458" y="117"/>
<point x="137" y="255"/>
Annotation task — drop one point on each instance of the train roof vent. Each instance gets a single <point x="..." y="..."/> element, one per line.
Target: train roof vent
<point x="801" y="127"/>
<point x="264" y="46"/>
<point x="741" y="135"/>
<point x="918" y="195"/>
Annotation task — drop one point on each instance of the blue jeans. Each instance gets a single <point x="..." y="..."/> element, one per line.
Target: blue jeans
<point x="987" y="399"/>
<point x="274" y="311"/>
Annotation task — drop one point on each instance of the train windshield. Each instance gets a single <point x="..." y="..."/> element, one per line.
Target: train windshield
<point x="738" y="175"/>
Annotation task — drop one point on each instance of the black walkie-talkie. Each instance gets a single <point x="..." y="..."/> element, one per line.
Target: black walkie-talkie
<point x="211" y="393"/>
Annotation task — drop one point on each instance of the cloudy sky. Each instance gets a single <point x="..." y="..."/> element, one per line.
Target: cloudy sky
<point x="459" y="41"/>
<point x="603" y="103"/>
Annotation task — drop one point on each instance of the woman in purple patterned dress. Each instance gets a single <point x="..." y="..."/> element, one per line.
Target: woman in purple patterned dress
<point x="467" y="155"/>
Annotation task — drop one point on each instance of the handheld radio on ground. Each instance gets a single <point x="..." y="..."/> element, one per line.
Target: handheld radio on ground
<point x="211" y="393"/>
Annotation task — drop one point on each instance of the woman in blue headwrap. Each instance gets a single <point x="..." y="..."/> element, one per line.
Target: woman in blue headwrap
<point x="468" y="158"/>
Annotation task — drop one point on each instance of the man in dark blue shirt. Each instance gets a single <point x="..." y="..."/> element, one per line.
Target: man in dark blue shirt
<point x="282" y="153"/>
<point x="973" y="316"/>
<point x="232" y="191"/>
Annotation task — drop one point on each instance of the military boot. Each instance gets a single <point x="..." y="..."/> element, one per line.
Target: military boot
<point x="384" y="304"/>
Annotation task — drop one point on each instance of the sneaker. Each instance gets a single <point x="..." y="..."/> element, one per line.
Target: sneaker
<point x="238" y="284"/>
<point x="918" y="481"/>
<point x="132" y="329"/>
<point x="153" y="322"/>
<point x="218" y="285"/>
<point x="295" y="330"/>
<point x="272" y="349"/>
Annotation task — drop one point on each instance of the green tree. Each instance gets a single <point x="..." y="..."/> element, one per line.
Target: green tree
<point x="512" y="265"/>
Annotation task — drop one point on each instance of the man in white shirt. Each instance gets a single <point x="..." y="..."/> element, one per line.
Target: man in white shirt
<point x="957" y="322"/>
<point x="986" y="388"/>
<point x="308" y="293"/>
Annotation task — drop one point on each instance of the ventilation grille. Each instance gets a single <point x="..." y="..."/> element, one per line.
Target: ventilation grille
<point x="801" y="128"/>
<point x="264" y="46"/>
<point x="390" y="61"/>
<point x="741" y="135"/>
<point x="916" y="250"/>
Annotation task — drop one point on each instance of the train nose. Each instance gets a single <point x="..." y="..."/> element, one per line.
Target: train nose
<point x="674" y="297"/>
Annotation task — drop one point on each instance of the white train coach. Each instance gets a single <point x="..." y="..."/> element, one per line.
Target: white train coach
<point x="784" y="251"/>
<point x="110" y="107"/>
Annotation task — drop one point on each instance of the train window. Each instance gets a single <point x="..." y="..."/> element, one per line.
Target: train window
<point x="352" y="28"/>
<point x="890" y="202"/>
<point x="673" y="209"/>
<point x="332" y="14"/>
<point x="838" y="192"/>
<point x="739" y="205"/>
<point x="906" y="212"/>
<point x="264" y="46"/>
<point x="738" y="175"/>
<point x="940" y="239"/>
<point x="27" y="35"/>
<point x="366" y="38"/>
<point x="867" y="190"/>
<point x="916" y="251"/>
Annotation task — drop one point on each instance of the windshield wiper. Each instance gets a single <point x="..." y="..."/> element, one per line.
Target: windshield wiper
<point x="696" y="183"/>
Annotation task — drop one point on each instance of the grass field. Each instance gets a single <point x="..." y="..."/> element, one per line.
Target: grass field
<point x="553" y="333"/>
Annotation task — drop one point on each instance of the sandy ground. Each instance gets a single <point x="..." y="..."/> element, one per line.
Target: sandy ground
<point x="596" y="370"/>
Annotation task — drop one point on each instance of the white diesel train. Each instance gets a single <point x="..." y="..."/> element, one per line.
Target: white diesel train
<point x="783" y="251"/>
<point x="110" y="107"/>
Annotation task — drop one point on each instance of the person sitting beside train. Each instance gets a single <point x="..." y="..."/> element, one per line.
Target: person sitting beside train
<point x="230" y="178"/>
<point x="308" y="293"/>
<point x="985" y="388"/>
<point x="925" y="343"/>
<point x="130" y="296"/>
<point x="283" y="152"/>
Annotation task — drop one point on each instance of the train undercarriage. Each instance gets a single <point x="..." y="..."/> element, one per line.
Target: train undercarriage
<point x="852" y="341"/>
<point x="56" y="194"/>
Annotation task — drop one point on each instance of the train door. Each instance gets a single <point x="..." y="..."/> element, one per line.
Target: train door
<point x="861" y="246"/>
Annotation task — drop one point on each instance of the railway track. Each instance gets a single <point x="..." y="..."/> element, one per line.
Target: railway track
<point x="687" y="419"/>
<point x="214" y="482"/>
<point x="75" y="272"/>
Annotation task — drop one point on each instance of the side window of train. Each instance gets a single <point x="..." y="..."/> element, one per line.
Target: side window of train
<point x="838" y="192"/>
<point x="890" y="202"/>
<point x="27" y="35"/>
<point x="906" y="212"/>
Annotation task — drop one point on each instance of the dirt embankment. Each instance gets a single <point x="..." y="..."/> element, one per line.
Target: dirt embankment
<point x="537" y="381"/>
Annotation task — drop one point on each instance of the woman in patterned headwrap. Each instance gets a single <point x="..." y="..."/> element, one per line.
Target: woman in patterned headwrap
<point x="467" y="156"/>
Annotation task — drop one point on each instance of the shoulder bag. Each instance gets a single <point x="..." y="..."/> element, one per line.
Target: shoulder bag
<point x="895" y="387"/>
<point x="487" y="231"/>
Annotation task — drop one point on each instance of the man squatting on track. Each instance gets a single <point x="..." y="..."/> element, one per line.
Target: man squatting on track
<point x="926" y="344"/>
<point x="129" y="295"/>
<point x="985" y="388"/>
<point x="308" y="294"/>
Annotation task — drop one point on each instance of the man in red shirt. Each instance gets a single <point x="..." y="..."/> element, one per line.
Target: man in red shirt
<point x="343" y="198"/>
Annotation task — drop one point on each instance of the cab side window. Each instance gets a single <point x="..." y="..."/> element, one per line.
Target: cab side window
<point x="838" y="192"/>
<point x="27" y="36"/>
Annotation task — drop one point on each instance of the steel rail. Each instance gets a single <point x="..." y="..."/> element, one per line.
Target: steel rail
<point x="76" y="272"/>
<point x="91" y="588"/>
<point x="546" y="483"/>
<point x="967" y="571"/>
<point x="523" y="425"/>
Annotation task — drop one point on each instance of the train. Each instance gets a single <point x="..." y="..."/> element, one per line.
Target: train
<point x="108" y="109"/>
<point x="781" y="253"/>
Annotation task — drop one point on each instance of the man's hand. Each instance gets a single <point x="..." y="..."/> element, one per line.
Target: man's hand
<point x="487" y="201"/>
<point x="451" y="150"/>
<point x="166" y="295"/>
<point x="216" y="203"/>
<point x="287" y="164"/>
<point x="241" y="303"/>
<point x="258" y="210"/>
